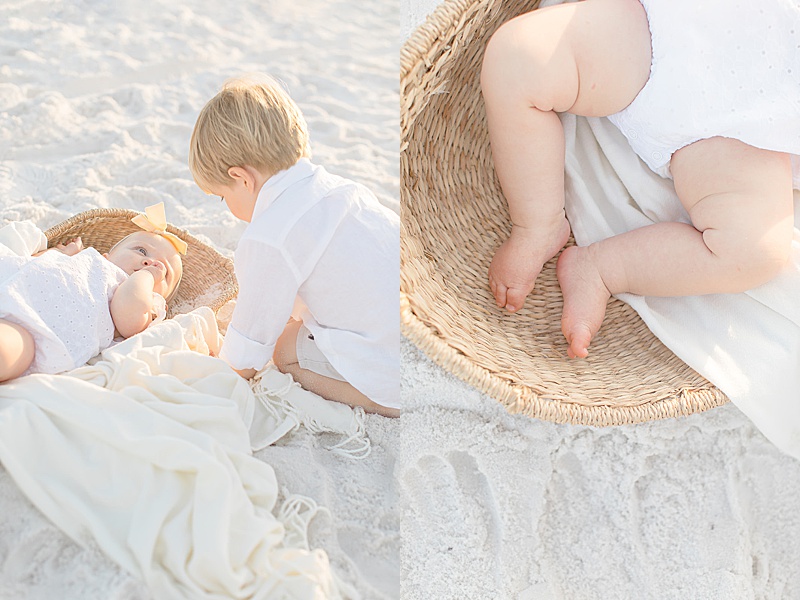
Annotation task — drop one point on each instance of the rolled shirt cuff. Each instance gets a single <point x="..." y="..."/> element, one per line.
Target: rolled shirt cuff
<point x="240" y="352"/>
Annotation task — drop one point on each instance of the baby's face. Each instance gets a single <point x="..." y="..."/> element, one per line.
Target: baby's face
<point x="144" y="250"/>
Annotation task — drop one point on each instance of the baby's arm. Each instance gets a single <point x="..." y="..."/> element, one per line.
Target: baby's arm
<point x="131" y="306"/>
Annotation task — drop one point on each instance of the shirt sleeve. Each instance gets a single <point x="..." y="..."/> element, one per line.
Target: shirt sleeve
<point x="268" y="284"/>
<point x="22" y="238"/>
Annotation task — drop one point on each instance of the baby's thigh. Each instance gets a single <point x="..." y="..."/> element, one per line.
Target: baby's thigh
<point x="590" y="58"/>
<point x="736" y="193"/>
<point x="17" y="350"/>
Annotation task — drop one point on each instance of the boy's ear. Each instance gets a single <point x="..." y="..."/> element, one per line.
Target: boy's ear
<point x="241" y="175"/>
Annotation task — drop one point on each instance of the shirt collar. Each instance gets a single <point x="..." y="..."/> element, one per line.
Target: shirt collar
<point x="280" y="182"/>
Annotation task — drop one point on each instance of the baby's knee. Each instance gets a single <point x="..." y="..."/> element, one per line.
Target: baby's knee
<point x="753" y="258"/>
<point x="773" y="251"/>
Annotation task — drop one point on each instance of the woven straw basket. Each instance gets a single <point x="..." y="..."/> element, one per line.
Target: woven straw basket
<point x="208" y="278"/>
<point x="454" y="217"/>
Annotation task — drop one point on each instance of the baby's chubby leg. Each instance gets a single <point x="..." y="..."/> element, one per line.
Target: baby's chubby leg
<point x="16" y="350"/>
<point x="589" y="58"/>
<point x="740" y="202"/>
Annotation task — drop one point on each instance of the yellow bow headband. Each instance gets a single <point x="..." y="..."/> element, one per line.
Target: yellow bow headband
<point x="154" y="220"/>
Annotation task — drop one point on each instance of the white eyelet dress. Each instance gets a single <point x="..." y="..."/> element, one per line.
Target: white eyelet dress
<point x="727" y="68"/>
<point x="63" y="301"/>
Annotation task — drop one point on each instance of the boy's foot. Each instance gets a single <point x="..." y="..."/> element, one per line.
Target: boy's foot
<point x="585" y="299"/>
<point x="518" y="262"/>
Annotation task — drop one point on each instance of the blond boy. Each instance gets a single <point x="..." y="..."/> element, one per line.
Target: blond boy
<point x="318" y="248"/>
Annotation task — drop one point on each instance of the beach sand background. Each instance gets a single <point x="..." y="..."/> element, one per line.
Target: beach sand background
<point x="507" y="507"/>
<point x="97" y="104"/>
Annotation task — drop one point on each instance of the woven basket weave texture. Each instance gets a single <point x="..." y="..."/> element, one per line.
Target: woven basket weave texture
<point x="208" y="278"/>
<point x="454" y="217"/>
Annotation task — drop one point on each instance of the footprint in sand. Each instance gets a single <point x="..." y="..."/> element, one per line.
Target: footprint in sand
<point x="452" y="519"/>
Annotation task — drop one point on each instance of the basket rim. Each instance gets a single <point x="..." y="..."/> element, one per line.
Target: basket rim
<point x="115" y="212"/>
<point x="687" y="402"/>
<point x="435" y="25"/>
<point x="229" y="292"/>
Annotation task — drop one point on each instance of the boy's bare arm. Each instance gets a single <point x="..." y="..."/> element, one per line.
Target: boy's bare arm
<point x="132" y="304"/>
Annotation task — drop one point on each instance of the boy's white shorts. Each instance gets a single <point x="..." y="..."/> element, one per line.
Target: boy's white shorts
<point x="311" y="358"/>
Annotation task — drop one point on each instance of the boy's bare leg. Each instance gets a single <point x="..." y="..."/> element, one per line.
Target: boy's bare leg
<point x="740" y="201"/>
<point x="285" y="358"/>
<point x="16" y="350"/>
<point x="591" y="58"/>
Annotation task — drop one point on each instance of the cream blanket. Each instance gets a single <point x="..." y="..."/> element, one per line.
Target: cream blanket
<point x="748" y="344"/>
<point x="147" y="451"/>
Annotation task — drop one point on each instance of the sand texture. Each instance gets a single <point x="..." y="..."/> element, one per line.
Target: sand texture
<point x="701" y="507"/>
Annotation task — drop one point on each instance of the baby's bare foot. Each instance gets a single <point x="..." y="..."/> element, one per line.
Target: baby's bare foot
<point x="585" y="299"/>
<point x="517" y="263"/>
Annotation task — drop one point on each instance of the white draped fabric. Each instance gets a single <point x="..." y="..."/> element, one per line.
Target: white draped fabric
<point x="148" y="452"/>
<point x="747" y="344"/>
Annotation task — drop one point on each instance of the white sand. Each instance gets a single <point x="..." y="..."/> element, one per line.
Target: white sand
<point x="506" y="507"/>
<point x="97" y="103"/>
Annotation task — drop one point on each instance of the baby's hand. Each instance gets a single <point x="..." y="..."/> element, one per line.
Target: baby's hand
<point x="71" y="248"/>
<point x="158" y="272"/>
<point x="132" y="305"/>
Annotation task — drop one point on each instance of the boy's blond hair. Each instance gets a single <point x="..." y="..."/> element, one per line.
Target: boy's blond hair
<point x="251" y="121"/>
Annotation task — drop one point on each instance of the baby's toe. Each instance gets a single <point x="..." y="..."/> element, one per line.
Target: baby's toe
<point x="515" y="298"/>
<point x="499" y="292"/>
<point x="579" y="336"/>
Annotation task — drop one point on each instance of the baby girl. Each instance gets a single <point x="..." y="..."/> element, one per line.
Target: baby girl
<point x="60" y="307"/>
<point x="707" y="93"/>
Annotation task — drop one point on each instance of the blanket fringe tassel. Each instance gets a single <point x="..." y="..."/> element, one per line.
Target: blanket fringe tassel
<point x="276" y="392"/>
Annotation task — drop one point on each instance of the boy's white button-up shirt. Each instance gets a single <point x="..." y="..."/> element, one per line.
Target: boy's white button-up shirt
<point x="323" y="249"/>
